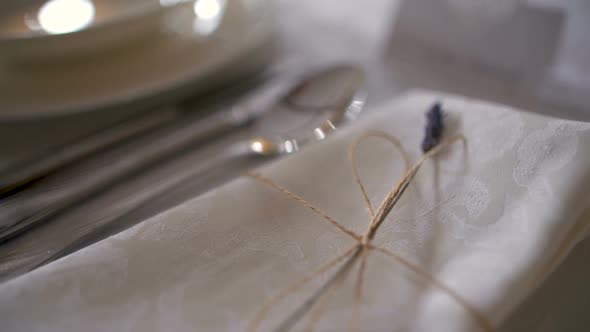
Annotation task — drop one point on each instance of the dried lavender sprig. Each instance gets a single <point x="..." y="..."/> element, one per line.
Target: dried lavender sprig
<point x="434" y="127"/>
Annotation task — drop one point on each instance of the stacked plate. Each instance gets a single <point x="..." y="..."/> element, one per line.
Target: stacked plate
<point x="68" y="56"/>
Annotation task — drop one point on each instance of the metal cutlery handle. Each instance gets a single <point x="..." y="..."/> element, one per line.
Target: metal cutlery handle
<point x="269" y="85"/>
<point x="28" y="208"/>
<point x="20" y="212"/>
<point x="40" y="165"/>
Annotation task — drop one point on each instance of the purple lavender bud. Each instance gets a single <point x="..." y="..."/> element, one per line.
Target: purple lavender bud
<point x="434" y="127"/>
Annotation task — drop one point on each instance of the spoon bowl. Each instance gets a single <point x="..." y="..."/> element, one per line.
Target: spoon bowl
<point x="323" y="102"/>
<point x="312" y="110"/>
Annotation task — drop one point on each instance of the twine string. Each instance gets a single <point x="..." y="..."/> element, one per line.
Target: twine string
<point x="483" y="322"/>
<point x="358" y="292"/>
<point x="305" y="203"/>
<point x="362" y="248"/>
<point x="292" y="319"/>
<point x="354" y="162"/>
<point x="317" y="312"/>
<point x="295" y="287"/>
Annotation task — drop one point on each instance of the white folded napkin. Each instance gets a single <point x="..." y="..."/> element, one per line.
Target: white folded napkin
<point x="487" y="221"/>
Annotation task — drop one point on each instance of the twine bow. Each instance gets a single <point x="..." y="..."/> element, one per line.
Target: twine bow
<point x="361" y="249"/>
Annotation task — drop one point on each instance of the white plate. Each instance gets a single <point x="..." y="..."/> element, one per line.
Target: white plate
<point x="35" y="30"/>
<point x="188" y="50"/>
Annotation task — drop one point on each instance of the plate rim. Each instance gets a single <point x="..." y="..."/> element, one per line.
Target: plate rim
<point x="144" y="96"/>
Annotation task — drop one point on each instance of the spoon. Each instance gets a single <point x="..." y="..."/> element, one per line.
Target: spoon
<point x="17" y="176"/>
<point x="29" y="208"/>
<point x="262" y="147"/>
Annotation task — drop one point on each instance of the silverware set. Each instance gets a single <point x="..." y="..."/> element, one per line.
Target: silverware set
<point x="286" y="113"/>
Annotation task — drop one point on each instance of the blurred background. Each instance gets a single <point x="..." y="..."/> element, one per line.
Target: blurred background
<point x="68" y="64"/>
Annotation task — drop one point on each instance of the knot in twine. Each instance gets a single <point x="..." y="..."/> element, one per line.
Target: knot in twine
<point x="359" y="251"/>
